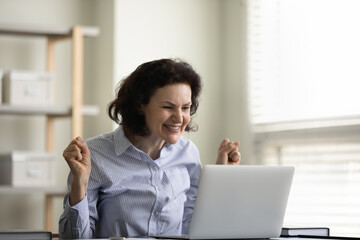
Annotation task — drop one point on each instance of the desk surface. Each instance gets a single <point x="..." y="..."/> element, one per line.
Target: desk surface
<point x="281" y="238"/>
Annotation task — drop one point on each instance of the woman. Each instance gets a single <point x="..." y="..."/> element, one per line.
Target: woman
<point x="142" y="178"/>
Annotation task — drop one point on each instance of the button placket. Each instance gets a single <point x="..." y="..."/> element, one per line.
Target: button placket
<point x="159" y="201"/>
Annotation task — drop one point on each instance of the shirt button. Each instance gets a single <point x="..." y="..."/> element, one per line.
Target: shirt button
<point x="159" y="189"/>
<point x="156" y="213"/>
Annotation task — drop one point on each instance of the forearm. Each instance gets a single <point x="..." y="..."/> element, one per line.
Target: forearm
<point x="78" y="190"/>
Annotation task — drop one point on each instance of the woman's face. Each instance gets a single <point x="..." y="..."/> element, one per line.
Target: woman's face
<point x="168" y="112"/>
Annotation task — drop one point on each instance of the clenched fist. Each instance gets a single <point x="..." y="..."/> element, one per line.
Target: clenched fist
<point x="228" y="153"/>
<point x="77" y="156"/>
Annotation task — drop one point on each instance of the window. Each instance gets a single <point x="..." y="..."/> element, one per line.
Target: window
<point x="304" y="78"/>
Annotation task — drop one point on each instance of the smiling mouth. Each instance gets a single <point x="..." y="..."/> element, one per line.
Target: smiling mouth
<point x="175" y="128"/>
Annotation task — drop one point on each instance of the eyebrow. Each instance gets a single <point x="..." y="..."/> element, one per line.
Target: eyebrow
<point x="167" y="102"/>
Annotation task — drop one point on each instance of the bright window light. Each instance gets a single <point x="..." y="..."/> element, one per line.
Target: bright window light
<point x="304" y="59"/>
<point x="304" y="83"/>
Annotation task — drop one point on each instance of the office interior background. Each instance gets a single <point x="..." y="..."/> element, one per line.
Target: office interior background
<point x="280" y="76"/>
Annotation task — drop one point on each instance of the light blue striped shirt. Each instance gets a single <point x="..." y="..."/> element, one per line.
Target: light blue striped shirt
<point x="129" y="194"/>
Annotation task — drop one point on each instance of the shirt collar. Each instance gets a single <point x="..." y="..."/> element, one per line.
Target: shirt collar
<point x="120" y="141"/>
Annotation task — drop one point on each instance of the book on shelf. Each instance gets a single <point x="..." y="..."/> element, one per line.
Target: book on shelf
<point x="25" y="235"/>
<point x="311" y="231"/>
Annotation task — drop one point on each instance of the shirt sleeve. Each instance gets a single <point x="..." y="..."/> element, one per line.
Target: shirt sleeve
<point x="78" y="221"/>
<point x="194" y="172"/>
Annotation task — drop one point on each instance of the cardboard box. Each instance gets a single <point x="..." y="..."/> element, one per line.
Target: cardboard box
<point x="27" y="169"/>
<point x="28" y="88"/>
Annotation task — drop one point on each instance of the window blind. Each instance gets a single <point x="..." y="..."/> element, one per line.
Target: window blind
<point x="304" y="76"/>
<point x="304" y="58"/>
<point x="326" y="185"/>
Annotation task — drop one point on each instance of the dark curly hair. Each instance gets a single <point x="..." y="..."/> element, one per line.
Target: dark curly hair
<point x="137" y="89"/>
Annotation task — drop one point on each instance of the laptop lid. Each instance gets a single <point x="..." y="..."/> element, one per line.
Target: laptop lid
<point x="241" y="201"/>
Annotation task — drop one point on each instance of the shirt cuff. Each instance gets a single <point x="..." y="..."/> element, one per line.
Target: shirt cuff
<point x="80" y="210"/>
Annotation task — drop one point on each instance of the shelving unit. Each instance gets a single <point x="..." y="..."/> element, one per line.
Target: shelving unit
<point x="75" y="112"/>
<point x="55" y="111"/>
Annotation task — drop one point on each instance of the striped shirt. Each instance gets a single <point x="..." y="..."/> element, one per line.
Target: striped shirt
<point x="130" y="194"/>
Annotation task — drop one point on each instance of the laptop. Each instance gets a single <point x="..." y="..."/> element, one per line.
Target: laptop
<point x="244" y="201"/>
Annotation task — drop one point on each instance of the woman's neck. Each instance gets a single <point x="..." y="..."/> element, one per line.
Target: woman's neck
<point x="148" y="145"/>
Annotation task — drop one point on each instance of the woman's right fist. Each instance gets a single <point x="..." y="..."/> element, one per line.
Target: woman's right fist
<point x="77" y="156"/>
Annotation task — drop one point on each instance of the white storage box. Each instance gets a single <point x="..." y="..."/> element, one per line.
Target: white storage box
<point x="28" y="88"/>
<point x="1" y="77"/>
<point x="27" y="169"/>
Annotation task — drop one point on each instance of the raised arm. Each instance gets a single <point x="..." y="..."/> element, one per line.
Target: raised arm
<point x="77" y="156"/>
<point x="80" y="213"/>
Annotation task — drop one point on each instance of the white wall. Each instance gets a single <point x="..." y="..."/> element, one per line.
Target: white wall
<point x="206" y="33"/>
<point x="99" y="73"/>
<point x="190" y="30"/>
<point x="236" y="112"/>
<point x="209" y="34"/>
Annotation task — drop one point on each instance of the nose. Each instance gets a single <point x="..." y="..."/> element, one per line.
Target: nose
<point x="177" y="116"/>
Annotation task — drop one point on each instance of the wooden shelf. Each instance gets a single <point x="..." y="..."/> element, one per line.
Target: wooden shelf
<point x="56" y="111"/>
<point x="54" y="34"/>
<point x="76" y="111"/>
<point x="53" y="190"/>
<point x="31" y="30"/>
